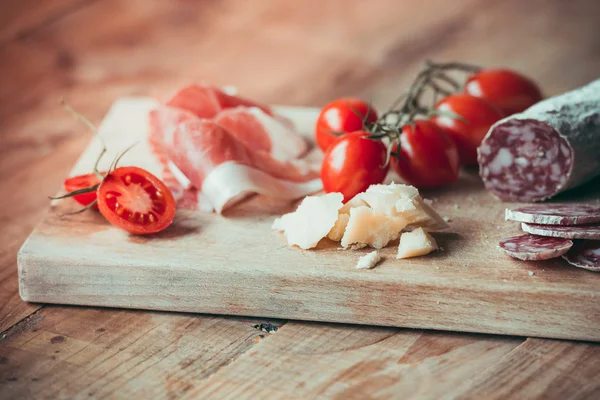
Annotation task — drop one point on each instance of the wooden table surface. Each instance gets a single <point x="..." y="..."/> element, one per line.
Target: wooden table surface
<point x="297" y="53"/>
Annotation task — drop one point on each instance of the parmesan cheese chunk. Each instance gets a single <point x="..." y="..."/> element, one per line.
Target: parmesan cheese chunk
<point x="312" y="221"/>
<point x="337" y="232"/>
<point x="416" y="243"/>
<point x="368" y="261"/>
<point x="369" y="227"/>
<point x="399" y="200"/>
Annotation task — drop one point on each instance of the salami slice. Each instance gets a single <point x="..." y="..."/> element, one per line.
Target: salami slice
<point x="585" y="254"/>
<point x="549" y="148"/>
<point x="569" y="232"/>
<point x="531" y="247"/>
<point x="555" y="214"/>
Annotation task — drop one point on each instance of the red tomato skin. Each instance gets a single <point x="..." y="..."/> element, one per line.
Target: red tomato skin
<point x="479" y="115"/>
<point x="81" y="182"/>
<point x="163" y="204"/>
<point x="508" y="90"/>
<point x="428" y="156"/>
<point x="341" y="116"/>
<point x="352" y="164"/>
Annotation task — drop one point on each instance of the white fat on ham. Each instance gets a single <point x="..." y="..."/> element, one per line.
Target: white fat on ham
<point x="372" y="228"/>
<point x="416" y="243"/>
<point x="312" y="220"/>
<point x="368" y="261"/>
<point x="229" y="183"/>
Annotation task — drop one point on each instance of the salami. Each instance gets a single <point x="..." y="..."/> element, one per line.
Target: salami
<point x="555" y="214"/>
<point x="585" y="254"/>
<point x="570" y="232"/>
<point x="535" y="248"/>
<point x="549" y="148"/>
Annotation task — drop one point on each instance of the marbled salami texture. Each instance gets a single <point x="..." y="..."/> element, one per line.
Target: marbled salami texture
<point x="551" y="147"/>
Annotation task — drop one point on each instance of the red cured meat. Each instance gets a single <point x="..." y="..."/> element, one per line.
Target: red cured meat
<point x="206" y="101"/>
<point x="549" y="148"/>
<point x="556" y="214"/>
<point x="585" y="254"/>
<point x="534" y="248"/>
<point x="571" y="232"/>
<point x="262" y="132"/>
<point x="215" y="145"/>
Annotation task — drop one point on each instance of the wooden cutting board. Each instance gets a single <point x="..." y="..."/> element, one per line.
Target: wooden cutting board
<point x="235" y="264"/>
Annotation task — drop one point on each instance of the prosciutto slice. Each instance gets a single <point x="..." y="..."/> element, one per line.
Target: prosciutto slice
<point x="242" y="150"/>
<point x="206" y="101"/>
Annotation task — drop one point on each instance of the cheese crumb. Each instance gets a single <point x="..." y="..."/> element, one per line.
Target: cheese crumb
<point x="312" y="221"/>
<point x="368" y="261"/>
<point x="416" y="243"/>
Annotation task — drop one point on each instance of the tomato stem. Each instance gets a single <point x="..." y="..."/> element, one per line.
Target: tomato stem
<point x="434" y="77"/>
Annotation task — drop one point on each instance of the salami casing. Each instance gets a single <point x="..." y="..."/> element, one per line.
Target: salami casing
<point x="570" y="232"/>
<point x="555" y="214"/>
<point x="585" y="254"/>
<point x="535" y="248"/>
<point x="549" y="148"/>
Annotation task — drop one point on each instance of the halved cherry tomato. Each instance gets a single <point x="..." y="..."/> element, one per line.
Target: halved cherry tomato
<point x="508" y="90"/>
<point x="479" y="116"/>
<point x="352" y="164"/>
<point x="135" y="200"/>
<point x="342" y="116"/>
<point x="82" y="182"/>
<point x="428" y="156"/>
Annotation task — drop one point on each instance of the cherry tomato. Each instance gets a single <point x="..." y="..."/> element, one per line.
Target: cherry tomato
<point x="83" y="182"/>
<point x="352" y="164"/>
<point x="428" y="156"/>
<point x="508" y="90"/>
<point x="342" y="116"/>
<point x="135" y="200"/>
<point x="479" y="116"/>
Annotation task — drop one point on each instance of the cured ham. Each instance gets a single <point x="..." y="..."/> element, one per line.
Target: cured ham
<point x="228" y="148"/>
<point x="207" y="101"/>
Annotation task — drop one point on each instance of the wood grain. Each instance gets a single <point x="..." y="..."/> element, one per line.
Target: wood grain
<point x="96" y="353"/>
<point x="113" y="48"/>
<point x="236" y="265"/>
<point x="335" y="362"/>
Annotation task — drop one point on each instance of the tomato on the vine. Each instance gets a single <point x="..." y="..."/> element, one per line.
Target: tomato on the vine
<point x="428" y="157"/>
<point x="83" y="182"/>
<point x="508" y="90"/>
<point x="133" y="199"/>
<point x="353" y="163"/>
<point x="342" y="116"/>
<point x="478" y="115"/>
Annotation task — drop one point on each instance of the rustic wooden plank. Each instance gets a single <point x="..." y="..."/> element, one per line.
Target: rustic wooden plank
<point x="21" y="17"/>
<point x="539" y="369"/>
<point x="64" y="352"/>
<point x="244" y="268"/>
<point x="305" y="360"/>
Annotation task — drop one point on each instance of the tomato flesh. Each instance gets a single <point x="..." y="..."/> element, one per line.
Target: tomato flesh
<point x="478" y="116"/>
<point x="135" y="200"/>
<point x="508" y="90"/>
<point x="340" y="117"/>
<point x="82" y="182"/>
<point x="428" y="156"/>
<point x="352" y="164"/>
